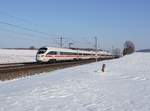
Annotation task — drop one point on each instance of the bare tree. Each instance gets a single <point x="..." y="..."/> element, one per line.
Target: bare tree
<point x="129" y="48"/>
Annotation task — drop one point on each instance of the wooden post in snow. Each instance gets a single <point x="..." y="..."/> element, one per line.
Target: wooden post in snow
<point x="103" y="67"/>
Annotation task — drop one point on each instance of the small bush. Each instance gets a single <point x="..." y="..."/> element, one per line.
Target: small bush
<point x="32" y="48"/>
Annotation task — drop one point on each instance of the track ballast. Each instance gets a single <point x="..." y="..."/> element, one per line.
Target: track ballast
<point x="16" y="70"/>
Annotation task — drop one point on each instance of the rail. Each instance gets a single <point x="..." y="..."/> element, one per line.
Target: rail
<point x="12" y="71"/>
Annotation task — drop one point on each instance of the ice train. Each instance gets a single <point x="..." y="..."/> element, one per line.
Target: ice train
<point x="49" y="54"/>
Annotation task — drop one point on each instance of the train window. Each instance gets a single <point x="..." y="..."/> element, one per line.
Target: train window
<point x="67" y="53"/>
<point x="52" y="53"/>
<point x="62" y="53"/>
<point x="42" y="50"/>
<point x="75" y="54"/>
<point x="70" y="53"/>
<point x="87" y="54"/>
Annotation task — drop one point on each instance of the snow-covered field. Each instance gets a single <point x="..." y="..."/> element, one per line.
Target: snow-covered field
<point x="125" y="86"/>
<point x="16" y="56"/>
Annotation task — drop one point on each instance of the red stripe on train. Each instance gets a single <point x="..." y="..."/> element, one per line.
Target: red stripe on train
<point x="62" y="56"/>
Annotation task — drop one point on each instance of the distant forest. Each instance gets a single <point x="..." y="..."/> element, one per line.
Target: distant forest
<point x="143" y="50"/>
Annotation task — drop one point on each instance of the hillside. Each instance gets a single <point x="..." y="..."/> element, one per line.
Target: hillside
<point x="123" y="87"/>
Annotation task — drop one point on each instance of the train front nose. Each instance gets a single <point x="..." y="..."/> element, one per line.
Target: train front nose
<point x="39" y="57"/>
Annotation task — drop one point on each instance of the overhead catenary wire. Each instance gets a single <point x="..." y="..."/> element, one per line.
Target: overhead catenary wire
<point x="55" y="37"/>
<point x="28" y="21"/>
<point x="42" y="34"/>
<point x="22" y="35"/>
<point x="6" y="14"/>
<point x="25" y="28"/>
<point x="25" y="36"/>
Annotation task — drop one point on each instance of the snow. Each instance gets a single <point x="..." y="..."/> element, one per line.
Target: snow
<point x="17" y="56"/>
<point x="123" y="87"/>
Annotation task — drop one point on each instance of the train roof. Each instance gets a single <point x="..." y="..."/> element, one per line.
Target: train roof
<point x="74" y="50"/>
<point x="64" y="49"/>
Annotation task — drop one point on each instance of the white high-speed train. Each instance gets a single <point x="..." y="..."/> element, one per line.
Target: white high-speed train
<point x="49" y="54"/>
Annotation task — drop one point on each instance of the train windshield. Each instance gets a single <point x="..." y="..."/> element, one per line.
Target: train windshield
<point x="42" y="50"/>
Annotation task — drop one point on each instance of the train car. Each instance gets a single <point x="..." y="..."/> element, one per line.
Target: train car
<point x="49" y="54"/>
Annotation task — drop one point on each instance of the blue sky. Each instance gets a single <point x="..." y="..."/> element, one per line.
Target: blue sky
<point x="78" y="21"/>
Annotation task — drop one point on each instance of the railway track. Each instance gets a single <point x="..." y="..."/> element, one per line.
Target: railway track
<point x="12" y="71"/>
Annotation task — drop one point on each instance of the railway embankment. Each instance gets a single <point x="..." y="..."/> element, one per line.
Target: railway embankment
<point x="12" y="71"/>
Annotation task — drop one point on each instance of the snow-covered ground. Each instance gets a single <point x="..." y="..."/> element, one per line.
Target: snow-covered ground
<point x="16" y="56"/>
<point x="125" y="86"/>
